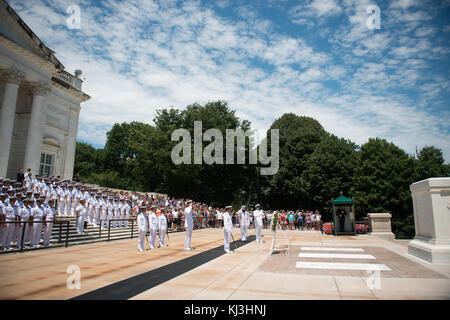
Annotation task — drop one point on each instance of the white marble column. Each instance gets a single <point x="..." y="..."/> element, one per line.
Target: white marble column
<point x="13" y="79"/>
<point x="71" y="144"/>
<point x="36" y="126"/>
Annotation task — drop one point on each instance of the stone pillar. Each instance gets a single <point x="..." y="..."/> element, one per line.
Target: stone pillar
<point x="71" y="144"/>
<point x="380" y="225"/>
<point x="36" y="126"/>
<point x="431" y="201"/>
<point x="8" y="111"/>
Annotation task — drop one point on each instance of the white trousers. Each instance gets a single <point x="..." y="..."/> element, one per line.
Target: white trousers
<point x="37" y="231"/>
<point x="187" y="243"/>
<point x="125" y="223"/>
<point x="152" y="239"/>
<point x="80" y="223"/>
<point x="162" y="235"/>
<point x="227" y="237"/>
<point x="8" y="234"/>
<point x="60" y="208"/>
<point x="258" y="228"/>
<point x="67" y="210"/>
<point x="244" y="229"/>
<point x="141" y="240"/>
<point x="47" y="233"/>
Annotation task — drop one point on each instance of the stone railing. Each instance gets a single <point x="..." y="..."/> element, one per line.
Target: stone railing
<point x="69" y="79"/>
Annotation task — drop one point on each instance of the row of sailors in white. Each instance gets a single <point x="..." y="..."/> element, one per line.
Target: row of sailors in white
<point x="149" y="221"/>
<point x="97" y="210"/>
<point x="41" y="215"/>
<point x="244" y="221"/>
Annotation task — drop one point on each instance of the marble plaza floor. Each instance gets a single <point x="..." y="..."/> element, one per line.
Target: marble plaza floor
<point x="318" y="267"/>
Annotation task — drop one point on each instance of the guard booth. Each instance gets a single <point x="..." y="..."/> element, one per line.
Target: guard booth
<point x="343" y="207"/>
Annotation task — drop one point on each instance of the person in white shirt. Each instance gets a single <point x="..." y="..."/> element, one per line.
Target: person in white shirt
<point x="68" y="196"/>
<point x="258" y="216"/>
<point x="152" y="226"/>
<point x="3" y="225"/>
<point x="28" y="177"/>
<point x="116" y="215"/>
<point x="60" y="196"/>
<point x="96" y="207"/>
<point x="188" y="224"/>
<point x="110" y="212"/>
<point x="90" y="206"/>
<point x="26" y="216"/>
<point x="37" y="212"/>
<point x="162" y="228"/>
<point x="227" y="228"/>
<point x="142" y="227"/>
<point x="244" y="221"/>
<point x="10" y="216"/>
<point x="126" y="212"/>
<point x="103" y="212"/>
<point x="81" y="212"/>
<point x="49" y="217"/>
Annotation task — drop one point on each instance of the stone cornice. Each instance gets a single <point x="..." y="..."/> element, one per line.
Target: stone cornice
<point x="28" y="55"/>
<point x="38" y="88"/>
<point x="73" y="92"/>
<point x="11" y="75"/>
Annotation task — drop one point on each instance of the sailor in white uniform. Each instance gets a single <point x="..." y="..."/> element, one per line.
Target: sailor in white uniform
<point x="152" y="226"/>
<point x="49" y="217"/>
<point x="10" y="216"/>
<point x="81" y="212"/>
<point x="227" y="228"/>
<point x="258" y="215"/>
<point x="244" y="221"/>
<point x="162" y="228"/>
<point x="142" y="227"/>
<point x="188" y="224"/>
<point x="37" y="212"/>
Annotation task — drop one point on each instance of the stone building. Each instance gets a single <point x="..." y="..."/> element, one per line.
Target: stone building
<point x="39" y="103"/>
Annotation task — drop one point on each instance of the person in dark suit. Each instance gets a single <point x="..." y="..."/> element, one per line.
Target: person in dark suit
<point x="341" y="216"/>
<point x="20" y="176"/>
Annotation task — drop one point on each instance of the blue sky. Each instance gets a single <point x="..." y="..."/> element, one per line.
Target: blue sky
<point x="264" y="57"/>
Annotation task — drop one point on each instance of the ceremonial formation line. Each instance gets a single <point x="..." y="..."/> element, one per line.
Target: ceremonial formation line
<point x="338" y="265"/>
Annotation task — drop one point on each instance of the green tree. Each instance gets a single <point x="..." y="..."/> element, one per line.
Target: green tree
<point x="430" y="163"/>
<point x="382" y="179"/>
<point x="329" y="170"/>
<point x="88" y="160"/>
<point x="299" y="137"/>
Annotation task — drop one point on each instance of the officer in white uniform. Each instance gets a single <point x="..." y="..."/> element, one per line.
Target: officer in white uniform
<point x="49" y="217"/>
<point x="37" y="212"/>
<point x="10" y="216"/>
<point x="244" y="221"/>
<point x="227" y="228"/>
<point x="68" y="196"/>
<point x="96" y="205"/>
<point x="142" y="227"/>
<point x="162" y="228"/>
<point x="26" y="214"/>
<point x="153" y="227"/>
<point x="126" y="212"/>
<point x="28" y="179"/>
<point x="3" y="227"/>
<point x="81" y="212"/>
<point x="188" y="224"/>
<point x="258" y="215"/>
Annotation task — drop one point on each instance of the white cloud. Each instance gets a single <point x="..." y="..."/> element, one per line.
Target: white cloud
<point x="139" y="56"/>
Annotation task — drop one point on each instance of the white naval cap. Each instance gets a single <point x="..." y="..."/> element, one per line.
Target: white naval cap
<point x="228" y="207"/>
<point x="257" y="205"/>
